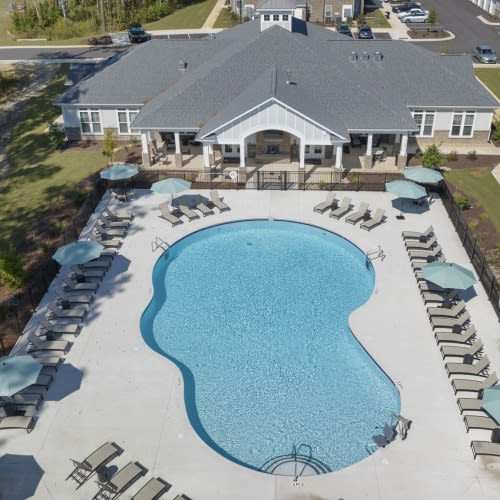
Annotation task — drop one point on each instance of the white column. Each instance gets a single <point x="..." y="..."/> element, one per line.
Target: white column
<point x="206" y="155"/>
<point x="302" y="153"/>
<point x="177" y="139"/>
<point x="242" y="153"/>
<point x="144" y="142"/>
<point x="338" y="156"/>
<point x="404" y="145"/>
<point x="369" y="145"/>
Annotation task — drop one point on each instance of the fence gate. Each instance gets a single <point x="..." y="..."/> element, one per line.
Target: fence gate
<point x="272" y="180"/>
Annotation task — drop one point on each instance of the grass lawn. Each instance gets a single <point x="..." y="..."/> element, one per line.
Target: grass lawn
<point x="192" y="16"/>
<point x="479" y="185"/>
<point x="42" y="180"/>
<point x="376" y="19"/>
<point x="227" y="19"/>
<point x="491" y="78"/>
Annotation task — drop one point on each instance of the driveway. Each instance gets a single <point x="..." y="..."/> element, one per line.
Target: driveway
<point x="460" y="17"/>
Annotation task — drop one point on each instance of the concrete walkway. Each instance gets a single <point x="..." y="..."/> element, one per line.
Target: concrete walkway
<point x="212" y="17"/>
<point x="496" y="173"/>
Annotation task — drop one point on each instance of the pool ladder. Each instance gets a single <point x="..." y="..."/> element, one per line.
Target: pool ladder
<point x="158" y="242"/>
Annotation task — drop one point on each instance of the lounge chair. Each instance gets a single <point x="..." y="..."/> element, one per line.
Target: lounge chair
<point x="166" y="214"/>
<point x="361" y="213"/>
<point x="455" y="324"/>
<point x="16" y="422"/>
<point x="377" y="219"/>
<point x="25" y="400"/>
<point x="421" y="245"/>
<point x="204" y="209"/>
<point x="34" y="391"/>
<point x="427" y="255"/>
<point x="121" y="481"/>
<point x="75" y="313"/>
<point x="459" y="351"/>
<point x="43" y="381"/>
<point x="107" y="223"/>
<point x="109" y="232"/>
<point x="485" y="448"/>
<point x="330" y="201"/>
<point x="82" y="275"/>
<point x="469" y="404"/>
<point x="428" y="286"/>
<point x="479" y="422"/>
<point x="74" y="286"/>
<point x="98" y="458"/>
<point x="417" y="265"/>
<point x="218" y="202"/>
<point x="71" y="328"/>
<point x="479" y="368"/>
<point x="413" y="235"/>
<point x="447" y="312"/>
<point x="99" y="263"/>
<point x="466" y="385"/>
<point x="457" y="338"/>
<point x="68" y="299"/>
<point x="188" y="212"/>
<point x="117" y="214"/>
<point x="344" y="207"/>
<point x="48" y="360"/>
<point x="49" y="345"/>
<point x="152" y="490"/>
<point x="445" y="297"/>
<point x="108" y="242"/>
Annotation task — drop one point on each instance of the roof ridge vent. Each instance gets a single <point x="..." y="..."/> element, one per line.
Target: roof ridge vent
<point x="182" y="66"/>
<point x="378" y="56"/>
<point x="354" y="56"/>
<point x="365" y="56"/>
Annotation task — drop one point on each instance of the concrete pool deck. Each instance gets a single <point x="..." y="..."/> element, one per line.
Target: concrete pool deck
<point x="113" y="387"/>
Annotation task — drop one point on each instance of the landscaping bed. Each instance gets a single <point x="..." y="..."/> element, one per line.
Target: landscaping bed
<point x="422" y="35"/>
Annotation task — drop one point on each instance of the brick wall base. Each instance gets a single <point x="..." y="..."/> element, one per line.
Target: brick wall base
<point x="441" y="137"/>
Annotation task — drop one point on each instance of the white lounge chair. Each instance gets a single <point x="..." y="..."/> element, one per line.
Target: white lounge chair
<point x="361" y="213"/>
<point x="485" y="448"/>
<point x="49" y="345"/>
<point x="377" y="219"/>
<point x="421" y="245"/>
<point x="166" y="214"/>
<point x="427" y="255"/>
<point x="479" y="422"/>
<point x="469" y="404"/>
<point x="344" y="207"/>
<point x="204" y="209"/>
<point x="455" y="324"/>
<point x="460" y="351"/>
<point x="480" y="368"/>
<point x="121" y="481"/>
<point x="74" y="286"/>
<point x="457" y="338"/>
<point x="330" y="201"/>
<point x="152" y="490"/>
<point x="118" y="214"/>
<point x="16" y="422"/>
<point x="218" y="202"/>
<point x="447" y="312"/>
<point x="188" y="212"/>
<point x="466" y="385"/>
<point x="72" y="313"/>
<point x="413" y="235"/>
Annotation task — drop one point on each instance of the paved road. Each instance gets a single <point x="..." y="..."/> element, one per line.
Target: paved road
<point x="23" y="53"/>
<point x="460" y="17"/>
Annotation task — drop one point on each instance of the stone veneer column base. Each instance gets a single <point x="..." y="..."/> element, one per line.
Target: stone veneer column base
<point x="402" y="161"/>
<point x="302" y="176"/>
<point x="178" y="160"/>
<point x="145" y="160"/>
<point x="366" y="161"/>
<point x="242" y="175"/>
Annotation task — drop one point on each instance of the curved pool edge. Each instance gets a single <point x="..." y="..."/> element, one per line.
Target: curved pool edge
<point x="183" y="370"/>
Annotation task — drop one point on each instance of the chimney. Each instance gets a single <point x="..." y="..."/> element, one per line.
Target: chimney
<point x="365" y="56"/>
<point x="354" y="56"/>
<point x="182" y="65"/>
<point x="378" y="56"/>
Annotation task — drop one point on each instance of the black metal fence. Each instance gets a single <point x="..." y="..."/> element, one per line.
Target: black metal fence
<point x="16" y="311"/>
<point x="471" y="245"/>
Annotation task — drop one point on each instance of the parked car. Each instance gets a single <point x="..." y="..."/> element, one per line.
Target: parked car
<point x="414" y="16"/>
<point x="365" y="33"/>
<point x="485" y="54"/>
<point x="344" y="29"/>
<point x="405" y="7"/>
<point x="136" y="34"/>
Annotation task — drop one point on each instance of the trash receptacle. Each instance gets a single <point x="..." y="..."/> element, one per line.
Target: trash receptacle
<point x="387" y="15"/>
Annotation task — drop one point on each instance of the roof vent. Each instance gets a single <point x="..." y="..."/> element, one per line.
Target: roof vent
<point x="354" y="56"/>
<point x="289" y="80"/>
<point x="211" y="36"/>
<point x="378" y="56"/>
<point x="366" y="56"/>
<point x="182" y="65"/>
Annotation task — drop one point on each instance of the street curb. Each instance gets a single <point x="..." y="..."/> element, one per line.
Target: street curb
<point x="485" y="21"/>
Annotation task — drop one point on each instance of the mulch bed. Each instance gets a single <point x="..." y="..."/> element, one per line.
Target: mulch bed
<point x="462" y="162"/>
<point x="489" y="17"/>
<point x="422" y="35"/>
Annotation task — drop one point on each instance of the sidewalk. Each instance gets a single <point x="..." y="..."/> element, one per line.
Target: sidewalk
<point x="212" y="17"/>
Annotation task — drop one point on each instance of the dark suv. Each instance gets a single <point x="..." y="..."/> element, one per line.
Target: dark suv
<point x="136" y="34"/>
<point x="344" y="29"/>
<point x="365" y="33"/>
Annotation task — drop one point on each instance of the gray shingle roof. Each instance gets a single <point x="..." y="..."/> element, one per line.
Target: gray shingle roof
<point x="229" y="74"/>
<point x="277" y="4"/>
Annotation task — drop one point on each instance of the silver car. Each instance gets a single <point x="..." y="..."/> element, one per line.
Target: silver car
<point x="485" y="54"/>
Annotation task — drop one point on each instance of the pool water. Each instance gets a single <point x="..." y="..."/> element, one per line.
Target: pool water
<point x="255" y="314"/>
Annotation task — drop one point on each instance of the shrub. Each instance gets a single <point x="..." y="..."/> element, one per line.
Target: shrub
<point x="452" y="156"/>
<point x="462" y="201"/>
<point x="11" y="268"/>
<point x="432" y="157"/>
<point x="432" y="17"/>
<point x="56" y="136"/>
<point x="495" y="134"/>
<point x="64" y="29"/>
<point x="472" y="155"/>
<point x="108" y="146"/>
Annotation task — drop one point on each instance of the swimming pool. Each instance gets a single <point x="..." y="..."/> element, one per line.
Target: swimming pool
<point x="255" y="314"/>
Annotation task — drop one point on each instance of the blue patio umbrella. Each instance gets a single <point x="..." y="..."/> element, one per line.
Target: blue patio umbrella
<point x="423" y="175"/>
<point x="119" y="172"/>
<point x="16" y="373"/>
<point x="170" y="186"/>
<point x="78" y="252"/>
<point x="448" y="275"/>
<point x="491" y="402"/>
<point x="405" y="189"/>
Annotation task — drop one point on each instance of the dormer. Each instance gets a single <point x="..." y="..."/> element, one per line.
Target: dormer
<point x="276" y="13"/>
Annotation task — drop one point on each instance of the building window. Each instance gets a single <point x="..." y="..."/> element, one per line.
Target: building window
<point x="285" y="17"/>
<point x="266" y="17"/>
<point x="276" y="17"/>
<point x="307" y="149"/>
<point x="462" y="124"/>
<point x="125" y="119"/>
<point x="90" y="121"/>
<point x="425" y="122"/>
<point x="228" y="148"/>
<point x="317" y="150"/>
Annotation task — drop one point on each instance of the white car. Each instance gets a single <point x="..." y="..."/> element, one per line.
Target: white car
<point x="414" y="16"/>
